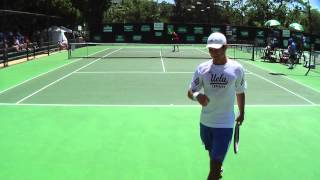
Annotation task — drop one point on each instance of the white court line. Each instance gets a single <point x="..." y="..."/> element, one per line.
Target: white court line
<point x="163" y="67"/>
<point x="203" y="51"/>
<point x="135" y="72"/>
<point x="76" y="60"/>
<point x="131" y="72"/>
<point x="38" y="76"/>
<point x="41" y="89"/>
<point x="268" y="70"/>
<point x="283" y="88"/>
<point x="151" y="105"/>
<point x="155" y="50"/>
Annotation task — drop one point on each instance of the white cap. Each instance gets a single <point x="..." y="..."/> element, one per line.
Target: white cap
<point x="216" y="40"/>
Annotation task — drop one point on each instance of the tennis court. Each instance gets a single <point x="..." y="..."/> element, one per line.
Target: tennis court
<point x="124" y="114"/>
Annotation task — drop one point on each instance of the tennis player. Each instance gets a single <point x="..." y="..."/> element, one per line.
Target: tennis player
<point x="176" y="41"/>
<point x="222" y="80"/>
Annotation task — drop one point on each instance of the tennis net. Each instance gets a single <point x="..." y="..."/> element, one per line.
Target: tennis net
<point x="184" y="51"/>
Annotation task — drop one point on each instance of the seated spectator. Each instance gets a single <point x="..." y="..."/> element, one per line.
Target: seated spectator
<point x="63" y="44"/>
<point x="22" y="43"/>
<point x="16" y="44"/>
<point x="269" y="53"/>
<point x="284" y="56"/>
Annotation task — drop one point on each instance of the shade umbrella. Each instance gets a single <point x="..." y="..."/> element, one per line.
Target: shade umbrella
<point x="296" y="27"/>
<point x="272" y="23"/>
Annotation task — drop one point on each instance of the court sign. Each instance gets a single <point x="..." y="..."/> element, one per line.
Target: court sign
<point x="190" y="38"/>
<point x="198" y="30"/>
<point x="128" y="28"/>
<point x="145" y="28"/>
<point x="286" y="33"/>
<point x="170" y="28"/>
<point x="260" y="33"/>
<point x="107" y="28"/>
<point x="158" y="34"/>
<point x="215" y="29"/>
<point x="119" y="38"/>
<point x="182" y="29"/>
<point x="136" y="37"/>
<point x="158" y="26"/>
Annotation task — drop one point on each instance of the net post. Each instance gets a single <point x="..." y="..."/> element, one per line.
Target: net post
<point x="234" y="52"/>
<point x="69" y="50"/>
<point x="253" y="49"/>
<point x="48" y="45"/>
<point x="86" y="44"/>
<point x="34" y="50"/>
<point x="5" y="57"/>
<point x="28" y="51"/>
<point x="310" y="59"/>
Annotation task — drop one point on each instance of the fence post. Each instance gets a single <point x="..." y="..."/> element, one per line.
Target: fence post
<point x="5" y="57"/>
<point x="28" y="51"/>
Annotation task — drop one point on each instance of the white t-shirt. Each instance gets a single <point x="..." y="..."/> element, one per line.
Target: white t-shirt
<point x="220" y="84"/>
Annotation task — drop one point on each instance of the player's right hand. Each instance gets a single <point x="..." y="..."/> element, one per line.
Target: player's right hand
<point x="203" y="99"/>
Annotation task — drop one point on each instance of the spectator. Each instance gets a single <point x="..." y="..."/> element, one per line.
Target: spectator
<point x="16" y="44"/>
<point x="63" y="44"/>
<point x="292" y="49"/>
<point x="22" y="43"/>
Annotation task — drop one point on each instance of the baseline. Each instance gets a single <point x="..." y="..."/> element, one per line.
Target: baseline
<point x="151" y="105"/>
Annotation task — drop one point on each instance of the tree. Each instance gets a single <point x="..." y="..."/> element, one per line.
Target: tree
<point x="237" y="14"/>
<point x="93" y="13"/>
<point x="315" y="15"/>
<point x="96" y="12"/>
<point x="166" y="11"/>
<point x="28" y="23"/>
<point x="134" y="11"/>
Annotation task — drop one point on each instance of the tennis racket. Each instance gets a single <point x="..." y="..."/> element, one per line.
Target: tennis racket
<point x="236" y="138"/>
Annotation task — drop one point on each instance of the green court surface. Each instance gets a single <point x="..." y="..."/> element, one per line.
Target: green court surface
<point x="130" y="119"/>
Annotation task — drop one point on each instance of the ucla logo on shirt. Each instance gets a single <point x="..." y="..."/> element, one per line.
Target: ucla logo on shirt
<point x="218" y="80"/>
